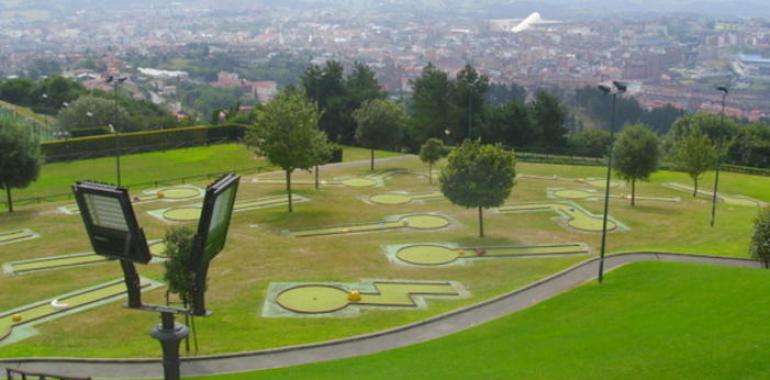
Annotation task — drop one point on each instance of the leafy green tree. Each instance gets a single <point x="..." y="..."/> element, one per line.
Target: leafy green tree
<point x="549" y="115"/>
<point x="695" y="154"/>
<point x="509" y="124"/>
<point x="470" y="100"/>
<point x="589" y="143"/>
<point x="479" y="176"/>
<point x="20" y="156"/>
<point x="500" y="94"/>
<point x="430" y="153"/>
<point x="179" y="250"/>
<point x="286" y="132"/>
<point x="380" y="125"/>
<point x="326" y="86"/>
<point x="760" y="240"/>
<point x="90" y="112"/>
<point x="17" y="91"/>
<point x="433" y="110"/>
<point x="637" y="152"/>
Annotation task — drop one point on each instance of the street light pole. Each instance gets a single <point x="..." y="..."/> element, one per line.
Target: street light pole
<point x="724" y="92"/>
<point x="619" y="88"/>
<point x="116" y="134"/>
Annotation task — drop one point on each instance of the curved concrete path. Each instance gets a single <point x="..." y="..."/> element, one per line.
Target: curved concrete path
<point x="433" y="328"/>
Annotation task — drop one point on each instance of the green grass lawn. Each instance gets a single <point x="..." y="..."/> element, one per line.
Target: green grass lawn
<point x="648" y="321"/>
<point x="56" y="178"/>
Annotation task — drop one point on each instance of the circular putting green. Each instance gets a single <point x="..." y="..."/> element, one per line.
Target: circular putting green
<point x="359" y="182"/>
<point x="313" y="299"/>
<point x="573" y="194"/>
<point x="425" y="222"/>
<point x="182" y="214"/>
<point x="390" y="199"/>
<point x="158" y="248"/>
<point x="178" y="193"/>
<point x="428" y="255"/>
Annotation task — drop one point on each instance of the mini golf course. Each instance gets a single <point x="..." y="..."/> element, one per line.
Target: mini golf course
<point x="732" y="200"/>
<point x="595" y="182"/>
<point x="446" y="254"/>
<point x="372" y="180"/>
<point x="157" y="249"/>
<point x="169" y="194"/>
<point x="415" y="221"/>
<point x="575" y="216"/>
<point x="404" y="198"/>
<point x="591" y="195"/>
<point x="331" y="298"/>
<point x="15" y="236"/>
<point x="187" y="214"/>
<point x="65" y="304"/>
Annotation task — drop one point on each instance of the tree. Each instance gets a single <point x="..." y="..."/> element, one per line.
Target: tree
<point x="760" y="241"/>
<point x="91" y="112"/>
<point x="589" y="143"/>
<point x="509" y="124"/>
<point x="380" y="125"/>
<point x="470" y="101"/>
<point x="549" y="115"/>
<point x="500" y="94"/>
<point x="637" y="152"/>
<point x="326" y="86"/>
<point x="287" y="133"/>
<point x="430" y="153"/>
<point x="695" y="154"/>
<point x="434" y="111"/>
<point x="20" y="156"/>
<point x="479" y="176"/>
<point x="179" y="276"/>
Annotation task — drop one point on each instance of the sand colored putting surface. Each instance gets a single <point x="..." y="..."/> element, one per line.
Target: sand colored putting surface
<point x="404" y="198"/>
<point x="576" y="194"/>
<point x="436" y="255"/>
<point x="64" y="304"/>
<point x="729" y="199"/>
<point x="157" y="249"/>
<point x="416" y="221"/>
<point x="575" y="216"/>
<point x="191" y="213"/>
<point x="327" y="298"/>
<point x="15" y="236"/>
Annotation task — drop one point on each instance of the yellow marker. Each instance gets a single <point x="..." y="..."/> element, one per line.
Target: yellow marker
<point x="354" y="296"/>
<point x="17" y="318"/>
<point x="161" y="195"/>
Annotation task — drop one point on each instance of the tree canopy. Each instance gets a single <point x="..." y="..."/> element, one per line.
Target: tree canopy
<point x="760" y="240"/>
<point x="20" y="156"/>
<point x="430" y="153"/>
<point x="480" y="176"/>
<point x="637" y="153"/>
<point x="380" y="125"/>
<point x="179" y="250"/>
<point x="549" y="114"/>
<point x="695" y="154"/>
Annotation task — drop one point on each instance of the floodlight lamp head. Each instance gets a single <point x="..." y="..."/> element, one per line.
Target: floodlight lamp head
<point x="620" y="86"/>
<point x="110" y="79"/>
<point x="604" y="88"/>
<point x="122" y="79"/>
<point x="723" y="90"/>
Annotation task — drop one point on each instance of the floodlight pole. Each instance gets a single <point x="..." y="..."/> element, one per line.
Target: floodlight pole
<point x="133" y="286"/>
<point x="619" y="89"/>
<point x="724" y="92"/>
<point x="170" y="334"/>
<point x="116" y="135"/>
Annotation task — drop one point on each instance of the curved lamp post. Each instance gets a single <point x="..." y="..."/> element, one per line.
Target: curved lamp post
<point x="113" y="128"/>
<point x="724" y="92"/>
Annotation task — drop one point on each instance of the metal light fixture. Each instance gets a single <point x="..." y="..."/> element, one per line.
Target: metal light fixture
<point x="724" y="92"/>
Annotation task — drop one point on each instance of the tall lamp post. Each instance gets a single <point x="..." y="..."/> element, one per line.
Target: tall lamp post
<point x="619" y="88"/>
<point x="724" y="92"/>
<point x="113" y="128"/>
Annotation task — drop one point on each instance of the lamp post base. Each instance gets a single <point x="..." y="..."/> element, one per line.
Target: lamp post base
<point x="170" y="334"/>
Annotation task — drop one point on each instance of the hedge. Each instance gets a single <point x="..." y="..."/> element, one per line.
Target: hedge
<point x="138" y="142"/>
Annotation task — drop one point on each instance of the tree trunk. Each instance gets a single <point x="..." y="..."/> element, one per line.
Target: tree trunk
<point x="372" y="164"/>
<point x="481" y="222"/>
<point x="288" y="189"/>
<point x="430" y="174"/>
<point x="8" y="197"/>
<point x="695" y="192"/>
<point x="317" y="185"/>
<point x="633" y="192"/>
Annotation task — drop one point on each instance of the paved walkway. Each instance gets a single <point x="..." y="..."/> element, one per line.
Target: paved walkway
<point x="367" y="344"/>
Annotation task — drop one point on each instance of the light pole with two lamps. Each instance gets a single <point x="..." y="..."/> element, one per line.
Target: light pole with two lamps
<point x="113" y="127"/>
<point x="721" y="146"/>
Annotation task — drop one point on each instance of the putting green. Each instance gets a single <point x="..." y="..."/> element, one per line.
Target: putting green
<point x="576" y="216"/>
<point x="432" y="254"/>
<point x="15" y="236"/>
<point x="400" y="199"/>
<point x="733" y="200"/>
<point x="157" y="249"/>
<point x="418" y="221"/>
<point x="173" y="193"/>
<point x="359" y="182"/>
<point x="322" y="299"/>
<point x="573" y="194"/>
<point x="186" y="214"/>
<point x="602" y="182"/>
<point x="66" y="303"/>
